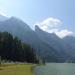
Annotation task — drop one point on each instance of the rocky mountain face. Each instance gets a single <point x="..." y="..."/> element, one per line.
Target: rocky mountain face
<point x="70" y="40"/>
<point x="47" y="46"/>
<point x="60" y="45"/>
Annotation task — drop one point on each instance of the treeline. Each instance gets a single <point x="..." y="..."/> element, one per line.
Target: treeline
<point x="11" y="48"/>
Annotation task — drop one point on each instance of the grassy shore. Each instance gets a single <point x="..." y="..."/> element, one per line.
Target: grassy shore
<point x="16" y="69"/>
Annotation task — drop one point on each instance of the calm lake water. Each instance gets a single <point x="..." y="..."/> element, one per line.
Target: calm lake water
<point x="56" y="69"/>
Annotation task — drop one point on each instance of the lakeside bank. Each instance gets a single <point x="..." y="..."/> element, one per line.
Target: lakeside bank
<point x="17" y="69"/>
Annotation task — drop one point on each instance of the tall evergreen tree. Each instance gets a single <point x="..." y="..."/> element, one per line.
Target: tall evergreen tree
<point x="14" y="50"/>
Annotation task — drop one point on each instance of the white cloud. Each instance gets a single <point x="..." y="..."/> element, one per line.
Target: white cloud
<point x="61" y="33"/>
<point x="3" y="14"/>
<point x="51" y="25"/>
<point x="52" y="22"/>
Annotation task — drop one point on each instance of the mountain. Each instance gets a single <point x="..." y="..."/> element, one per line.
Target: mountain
<point x="3" y="18"/>
<point x="55" y="42"/>
<point x="20" y="29"/>
<point x="70" y="40"/>
<point x="47" y="46"/>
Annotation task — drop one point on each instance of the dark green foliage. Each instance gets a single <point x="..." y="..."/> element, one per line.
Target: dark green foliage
<point x="14" y="50"/>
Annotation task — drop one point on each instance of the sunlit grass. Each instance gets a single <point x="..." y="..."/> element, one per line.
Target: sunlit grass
<point x="16" y="69"/>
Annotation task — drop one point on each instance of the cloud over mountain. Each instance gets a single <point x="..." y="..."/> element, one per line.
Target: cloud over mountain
<point x="61" y="33"/>
<point x="52" y="22"/>
<point x="49" y="23"/>
<point x="3" y="14"/>
<point x="52" y="25"/>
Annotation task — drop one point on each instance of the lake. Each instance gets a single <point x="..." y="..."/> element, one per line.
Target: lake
<point x="56" y="69"/>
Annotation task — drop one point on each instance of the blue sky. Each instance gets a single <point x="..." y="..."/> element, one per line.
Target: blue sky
<point x="34" y="11"/>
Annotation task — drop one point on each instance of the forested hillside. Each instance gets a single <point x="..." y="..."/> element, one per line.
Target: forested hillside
<point x="11" y="48"/>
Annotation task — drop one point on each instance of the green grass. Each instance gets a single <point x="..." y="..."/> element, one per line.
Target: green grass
<point x="17" y="69"/>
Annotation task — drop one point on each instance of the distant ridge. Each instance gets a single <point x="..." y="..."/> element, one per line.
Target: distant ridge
<point x="3" y="18"/>
<point x="47" y="46"/>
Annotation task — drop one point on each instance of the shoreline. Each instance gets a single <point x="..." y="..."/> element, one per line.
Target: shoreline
<point x="18" y="69"/>
<point x="33" y="68"/>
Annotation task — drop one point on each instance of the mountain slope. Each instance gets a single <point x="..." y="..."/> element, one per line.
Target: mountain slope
<point x="20" y="29"/>
<point x="58" y="44"/>
<point x="70" y="40"/>
<point x="3" y="18"/>
<point x="47" y="46"/>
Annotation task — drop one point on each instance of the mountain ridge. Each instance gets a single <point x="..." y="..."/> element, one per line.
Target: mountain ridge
<point x="48" y="46"/>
